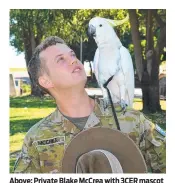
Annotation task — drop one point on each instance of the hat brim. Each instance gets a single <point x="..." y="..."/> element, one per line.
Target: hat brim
<point x="114" y="141"/>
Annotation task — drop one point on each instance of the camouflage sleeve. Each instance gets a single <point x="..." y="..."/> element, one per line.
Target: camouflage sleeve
<point x="27" y="161"/>
<point x="154" y="146"/>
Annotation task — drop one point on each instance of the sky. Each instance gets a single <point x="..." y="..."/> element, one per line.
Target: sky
<point x="16" y="61"/>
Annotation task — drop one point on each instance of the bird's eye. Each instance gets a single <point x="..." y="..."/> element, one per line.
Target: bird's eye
<point x="100" y="25"/>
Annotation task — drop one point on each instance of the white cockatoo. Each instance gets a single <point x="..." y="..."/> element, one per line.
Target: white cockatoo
<point x="112" y="59"/>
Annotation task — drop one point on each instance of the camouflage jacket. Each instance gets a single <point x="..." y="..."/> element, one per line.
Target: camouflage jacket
<point x="45" y="142"/>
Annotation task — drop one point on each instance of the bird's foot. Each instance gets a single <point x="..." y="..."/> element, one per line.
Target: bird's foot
<point x="123" y="105"/>
<point x="105" y="103"/>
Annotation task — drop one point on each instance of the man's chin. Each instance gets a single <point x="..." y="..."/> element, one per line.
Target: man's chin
<point x="82" y="82"/>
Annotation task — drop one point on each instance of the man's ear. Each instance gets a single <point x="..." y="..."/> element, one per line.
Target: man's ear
<point x="45" y="82"/>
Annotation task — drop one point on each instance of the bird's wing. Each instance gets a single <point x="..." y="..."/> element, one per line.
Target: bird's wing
<point x="95" y="64"/>
<point x="128" y="73"/>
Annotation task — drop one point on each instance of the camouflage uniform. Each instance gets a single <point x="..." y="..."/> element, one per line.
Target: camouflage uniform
<point x="45" y="142"/>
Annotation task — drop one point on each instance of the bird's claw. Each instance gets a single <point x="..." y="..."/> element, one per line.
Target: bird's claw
<point x="123" y="105"/>
<point x="105" y="103"/>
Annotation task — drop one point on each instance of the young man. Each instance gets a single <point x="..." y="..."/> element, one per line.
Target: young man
<point x="55" y="68"/>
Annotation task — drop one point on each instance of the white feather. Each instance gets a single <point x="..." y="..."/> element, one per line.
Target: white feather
<point x="112" y="59"/>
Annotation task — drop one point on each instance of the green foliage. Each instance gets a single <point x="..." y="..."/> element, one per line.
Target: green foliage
<point x="72" y="24"/>
<point x="39" y="22"/>
<point x="66" y="23"/>
<point x="12" y="162"/>
<point x="26" y="88"/>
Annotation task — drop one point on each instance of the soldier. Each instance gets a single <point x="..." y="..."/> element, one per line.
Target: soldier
<point x="55" y="68"/>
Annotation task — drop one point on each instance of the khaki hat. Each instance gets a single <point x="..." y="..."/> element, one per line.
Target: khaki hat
<point x="102" y="150"/>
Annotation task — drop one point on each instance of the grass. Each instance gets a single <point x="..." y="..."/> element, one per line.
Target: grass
<point x="25" y="111"/>
<point x="159" y="118"/>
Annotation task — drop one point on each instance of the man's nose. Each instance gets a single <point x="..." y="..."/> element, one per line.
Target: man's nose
<point x="74" y="61"/>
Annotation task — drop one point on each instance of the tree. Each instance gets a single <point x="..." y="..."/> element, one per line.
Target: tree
<point x="147" y="65"/>
<point x="28" y="28"/>
<point x="25" y="34"/>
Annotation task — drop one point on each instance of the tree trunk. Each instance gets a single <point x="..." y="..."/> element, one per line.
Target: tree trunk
<point x="148" y="73"/>
<point x="150" y="98"/>
<point x="150" y="94"/>
<point x="150" y="81"/>
<point x="136" y="41"/>
<point x="36" y="91"/>
<point x="29" y="47"/>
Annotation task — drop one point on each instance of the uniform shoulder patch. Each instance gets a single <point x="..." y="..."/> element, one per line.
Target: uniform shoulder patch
<point x="160" y="130"/>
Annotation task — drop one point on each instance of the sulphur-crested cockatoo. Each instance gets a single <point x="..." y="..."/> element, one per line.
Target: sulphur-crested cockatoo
<point x="112" y="59"/>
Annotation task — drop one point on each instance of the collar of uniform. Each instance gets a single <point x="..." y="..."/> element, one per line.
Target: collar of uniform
<point x="56" y="116"/>
<point x="98" y="112"/>
<point x="93" y="120"/>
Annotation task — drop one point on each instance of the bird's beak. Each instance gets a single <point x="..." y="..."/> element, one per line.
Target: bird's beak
<point x="91" y="31"/>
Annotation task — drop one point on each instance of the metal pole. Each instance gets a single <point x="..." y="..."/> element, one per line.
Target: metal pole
<point x="81" y="50"/>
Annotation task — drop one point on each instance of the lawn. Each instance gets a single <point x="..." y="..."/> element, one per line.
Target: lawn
<point x="25" y="111"/>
